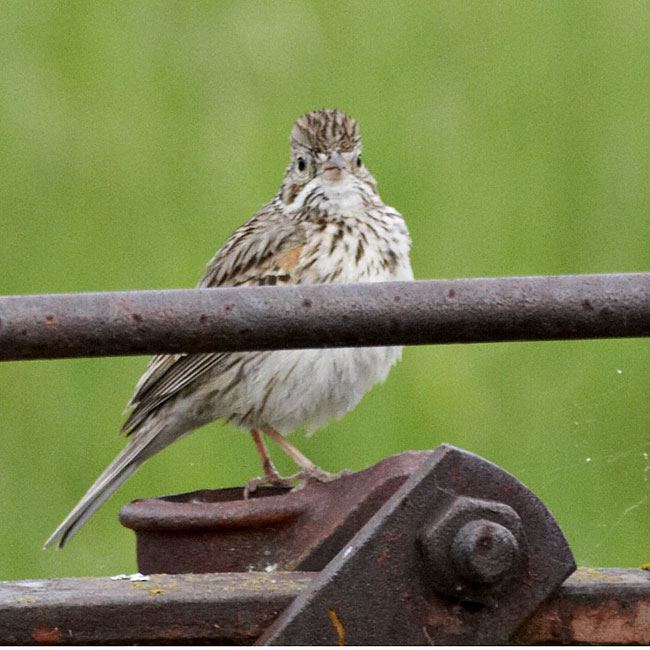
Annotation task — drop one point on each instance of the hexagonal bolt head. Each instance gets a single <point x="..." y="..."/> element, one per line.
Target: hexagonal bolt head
<point x="473" y="548"/>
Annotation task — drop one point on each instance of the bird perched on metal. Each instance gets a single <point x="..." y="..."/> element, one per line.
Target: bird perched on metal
<point x="326" y="223"/>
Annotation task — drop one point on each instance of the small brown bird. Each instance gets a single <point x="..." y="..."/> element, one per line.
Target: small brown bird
<point x="327" y="223"/>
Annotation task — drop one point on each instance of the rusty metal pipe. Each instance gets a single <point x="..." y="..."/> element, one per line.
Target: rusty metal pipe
<point x="303" y="316"/>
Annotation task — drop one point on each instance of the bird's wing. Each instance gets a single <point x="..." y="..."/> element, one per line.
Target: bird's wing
<point x="264" y="251"/>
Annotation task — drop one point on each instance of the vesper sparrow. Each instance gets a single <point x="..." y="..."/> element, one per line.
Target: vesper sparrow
<point x="325" y="224"/>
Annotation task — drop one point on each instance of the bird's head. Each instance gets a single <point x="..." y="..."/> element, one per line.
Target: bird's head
<point x="325" y="145"/>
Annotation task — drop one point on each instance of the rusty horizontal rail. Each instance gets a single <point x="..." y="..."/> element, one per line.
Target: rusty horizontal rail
<point x="303" y="316"/>
<point x="594" y="606"/>
<point x="211" y="607"/>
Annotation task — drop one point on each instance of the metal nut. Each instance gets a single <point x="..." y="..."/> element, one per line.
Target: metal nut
<point x="473" y="549"/>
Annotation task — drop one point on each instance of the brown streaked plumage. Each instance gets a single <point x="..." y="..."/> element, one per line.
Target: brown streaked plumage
<point x="326" y="223"/>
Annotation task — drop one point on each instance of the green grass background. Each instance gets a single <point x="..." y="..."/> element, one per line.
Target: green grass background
<point x="513" y="136"/>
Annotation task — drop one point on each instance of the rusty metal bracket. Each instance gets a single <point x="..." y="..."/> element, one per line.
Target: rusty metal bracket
<point x="425" y="547"/>
<point x="462" y="553"/>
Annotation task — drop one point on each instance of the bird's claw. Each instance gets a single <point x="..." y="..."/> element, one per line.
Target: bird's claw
<point x="319" y="475"/>
<point x="273" y="479"/>
<point x="305" y="476"/>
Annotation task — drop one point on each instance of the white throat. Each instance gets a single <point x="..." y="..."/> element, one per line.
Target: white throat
<point x="345" y="197"/>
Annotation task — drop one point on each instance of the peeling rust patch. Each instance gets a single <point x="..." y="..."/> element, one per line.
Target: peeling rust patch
<point x="47" y="635"/>
<point x="595" y="606"/>
<point x="612" y="623"/>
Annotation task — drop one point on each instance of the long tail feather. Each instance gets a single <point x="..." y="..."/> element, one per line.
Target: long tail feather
<point x="141" y="447"/>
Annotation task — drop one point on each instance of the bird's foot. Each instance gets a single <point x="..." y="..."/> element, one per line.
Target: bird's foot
<point x="305" y="476"/>
<point x="319" y="475"/>
<point x="272" y="478"/>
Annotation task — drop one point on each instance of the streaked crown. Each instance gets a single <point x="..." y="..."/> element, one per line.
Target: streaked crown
<point x="325" y="131"/>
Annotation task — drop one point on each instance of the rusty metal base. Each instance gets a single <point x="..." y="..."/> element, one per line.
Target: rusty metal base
<point x="211" y="531"/>
<point x="456" y="551"/>
<point x="425" y="547"/>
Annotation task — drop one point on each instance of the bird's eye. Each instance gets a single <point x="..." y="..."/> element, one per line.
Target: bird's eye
<point x="302" y="164"/>
<point x="359" y="162"/>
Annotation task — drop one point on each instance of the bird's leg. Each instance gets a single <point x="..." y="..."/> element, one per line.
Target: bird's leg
<point x="309" y="471"/>
<point x="271" y="474"/>
<point x="267" y="463"/>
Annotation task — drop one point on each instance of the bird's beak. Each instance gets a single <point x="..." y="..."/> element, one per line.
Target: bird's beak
<point x="336" y="160"/>
<point x="332" y="169"/>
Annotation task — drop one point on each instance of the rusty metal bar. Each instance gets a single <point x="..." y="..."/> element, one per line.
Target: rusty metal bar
<point x="302" y="316"/>
<point x="220" y="608"/>
<point x="594" y="606"/>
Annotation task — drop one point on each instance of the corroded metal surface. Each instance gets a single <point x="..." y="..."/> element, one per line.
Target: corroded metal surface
<point x="214" y="608"/>
<point x="437" y="547"/>
<point x="228" y="319"/>
<point x="594" y="606"/>
<point x="383" y="587"/>
<point x="277" y="529"/>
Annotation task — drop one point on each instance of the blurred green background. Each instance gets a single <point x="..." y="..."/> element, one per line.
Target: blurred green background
<point x="513" y="136"/>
